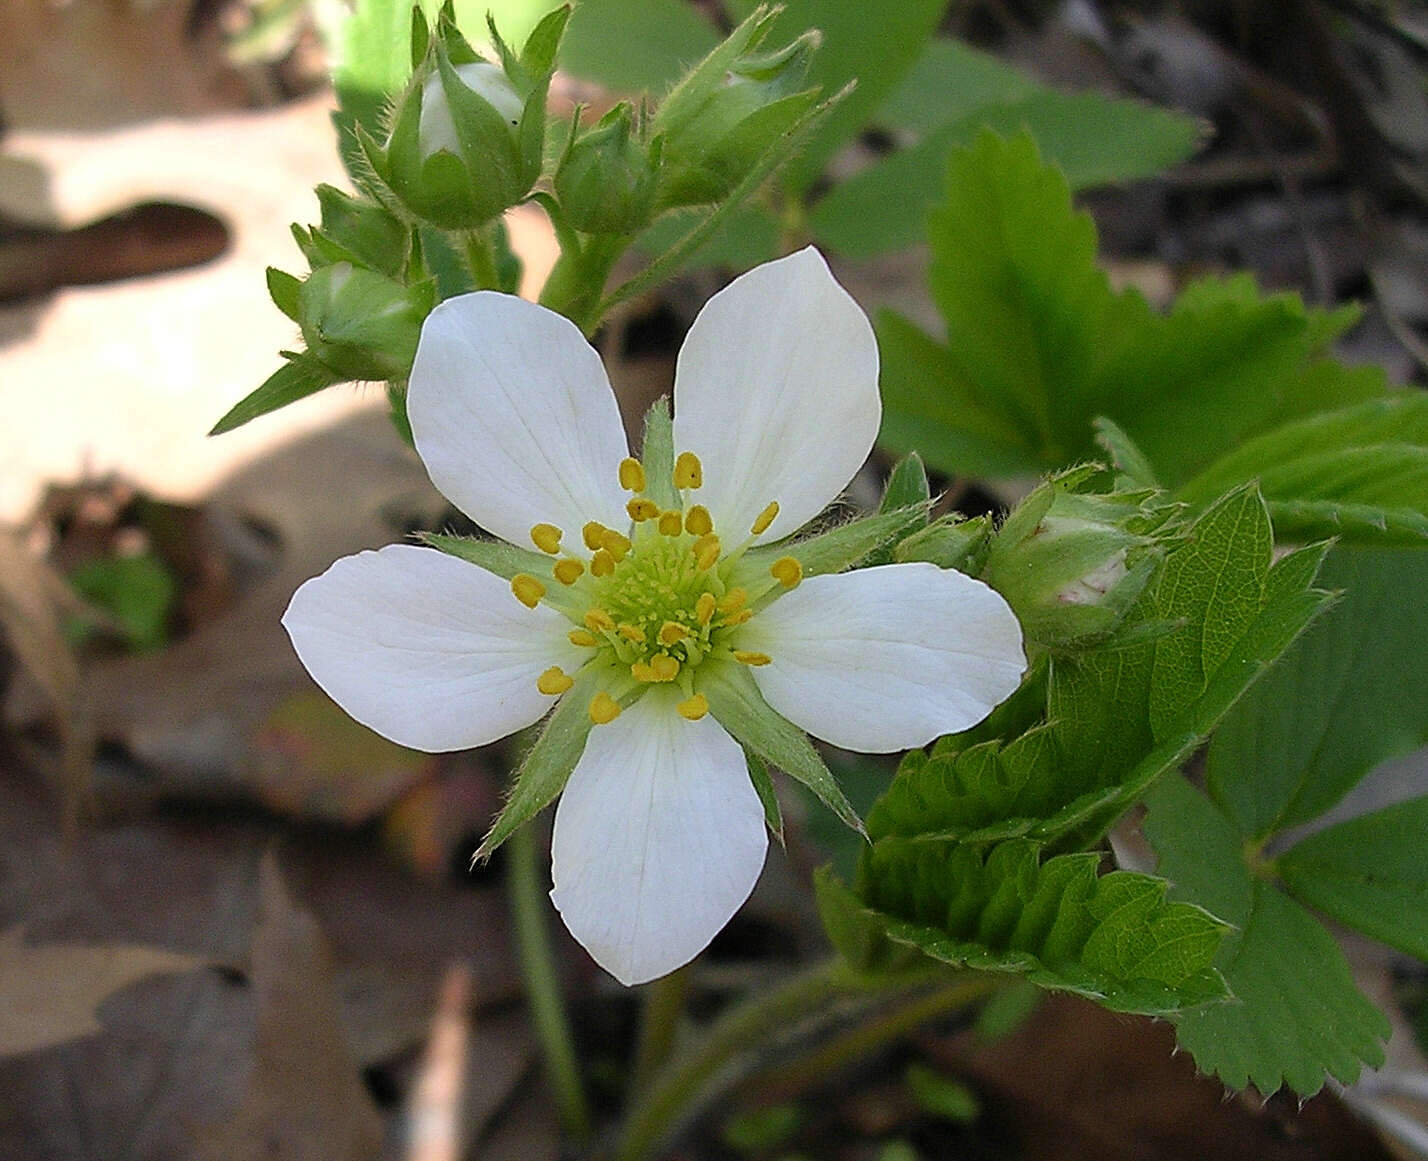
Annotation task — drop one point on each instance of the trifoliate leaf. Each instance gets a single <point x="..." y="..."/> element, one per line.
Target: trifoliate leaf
<point x="1113" y="938"/>
<point x="1370" y="873"/>
<point x="1297" y="1015"/>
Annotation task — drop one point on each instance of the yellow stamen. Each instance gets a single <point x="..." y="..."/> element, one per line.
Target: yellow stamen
<point x="528" y="590"/>
<point x="554" y="680"/>
<point x="546" y="537"/>
<point x="706" y="552"/>
<point x="602" y="563"/>
<point x="632" y="474"/>
<point x="666" y="668"/>
<point x="739" y="618"/>
<point x="698" y="521"/>
<point x="583" y="637"/>
<point x="694" y="708"/>
<point x="732" y="600"/>
<point x="671" y="523"/>
<point x="749" y="657"/>
<point x="787" y="571"/>
<point x="569" y="570"/>
<point x="766" y="517"/>
<point x="593" y="534"/>
<point x="616" y="544"/>
<point x="672" y="633"/>
<point x="603" y="709"/>
<point x="642" y="672"/>
<point x="704" y="608"/>
<point x="688" y="471"/>
<point x="599" y="621"/>
<point x="641" y="509"/>
<point x="631" y="632"/>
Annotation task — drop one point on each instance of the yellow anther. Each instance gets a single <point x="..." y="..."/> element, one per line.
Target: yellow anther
<point x="528" y="590"/>
<point x="693" y="708"/>
<point x="642" y="672"/>
<point x="672" y="633"/>
<point x="704" y="608"/>
<point x="641" y="509"/>
<point x="593" y="534"/>
<point x="739" y="618"/>
<point x="697" y="522"/>
<point x="706" y="552"/>
<point x="749" y="657"/>
<point x="616" y="544"/>
<point x="546" y="537"/>
<point x="554" y="680"/>
<point x="632" y="474"/>
<point x="599" y="621"/>
<point x="766" y="517"/>
<point x="688" y="471"/>
<point x="787" y="571"/>
<point x="630" y="632"/>
<point x="603" y="709"/>
<point x="568" y="571"/>
<point x="671" y="523"/>
<point x="583" y="637"/>
<point x="666" y="668"/>
<point x="602" y="563"/>
<point x="732" y="600"/>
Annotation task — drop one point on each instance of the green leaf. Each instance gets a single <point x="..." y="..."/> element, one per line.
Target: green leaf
<point x="748" y="236"/>
<point x="737" y="705"/>
<point x="1297" y="1014"/>
<point x="634" y="45"/>
<point x="1350" y="695"/>
<point x="543" y="773"/>
<point x="933" y="406"/>
<point x="1093" y="138"/>
<point x="1369" y="873"/>
<point x="1361" y="470"/>
<point x="1113" y="938"/>
<point x="296" y="379"/>
<point x="505" y="560"/>
<point x="136" y="591"/>
<point x="948" y="81"/>
<point x="373" y="64"/>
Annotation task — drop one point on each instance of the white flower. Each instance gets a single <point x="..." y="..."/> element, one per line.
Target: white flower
<point x="646" y="592"/>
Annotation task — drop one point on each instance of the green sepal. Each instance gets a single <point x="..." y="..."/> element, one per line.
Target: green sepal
<point x="284" y="290"/>
<point x="949" y="542"/>
<point x="538" y="53"/>
<point x="838" y="548"/>
<point x="657" y="455"/>
<point x="738" y="706"/>
<point x="1133" y="470"/>
<point x="547" y="767"/>
<point x="497" y="556"/>
<point x="296" y="379"/>
<point x="907" y="485"/>
<point x="764" y="788"/>
<point x="359" y="231"/>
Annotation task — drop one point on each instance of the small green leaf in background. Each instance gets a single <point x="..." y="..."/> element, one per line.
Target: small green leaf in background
<point x="945" y="1098"/>
<point x="1297" y="1015"/>
<point x="948" y="81"/>
<point x="634" y="46"/>
<point x="137" y="592"/>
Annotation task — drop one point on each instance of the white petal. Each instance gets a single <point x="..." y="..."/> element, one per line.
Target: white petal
<point x="776" y="391"/>
<point x="887" y="658"/>
<point x="659" y="838"/>
<point x="429" y="651"/>
<point x="514" y="418"/>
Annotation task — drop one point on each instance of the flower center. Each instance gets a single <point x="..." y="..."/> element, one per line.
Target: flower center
<point x="653" y="605"/>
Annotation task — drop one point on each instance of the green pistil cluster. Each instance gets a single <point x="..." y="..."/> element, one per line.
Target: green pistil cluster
<point x="655" y="604"/>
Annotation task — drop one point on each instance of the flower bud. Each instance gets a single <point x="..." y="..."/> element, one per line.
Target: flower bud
<point x="730" y="111"/>
<point x="355" y="230"/>
<point x="361" y="324"/>
<point x="436" y="128"/>
<point x="606" y="181"/>
<point x="1071" y="564"/>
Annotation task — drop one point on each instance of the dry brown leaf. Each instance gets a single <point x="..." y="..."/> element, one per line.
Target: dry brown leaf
<point x="33" y="601"/>
<point x="51" y="994"/>
<point x="303" y="1101"/>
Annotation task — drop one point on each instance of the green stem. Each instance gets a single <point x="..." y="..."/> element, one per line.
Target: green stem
<point x="480" y="261"/>
<point x="663" y="1006"/>
<point x="657" y="1110"/>
<point x="528" y="911"/>
<point x="577" y="280"/>
<point x="856" y="1043"/>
